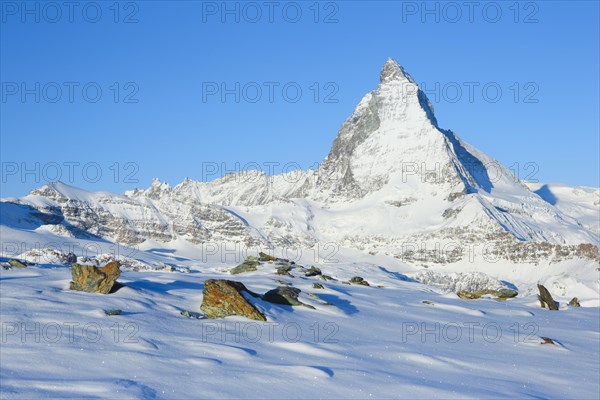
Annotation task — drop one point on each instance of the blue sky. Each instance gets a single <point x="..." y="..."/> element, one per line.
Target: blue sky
<point x="157" y="64"/>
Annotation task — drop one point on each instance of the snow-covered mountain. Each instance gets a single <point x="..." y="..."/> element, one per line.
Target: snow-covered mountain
<point x="581" y="203"/>
<point x="394" y="184"/>
<point x="399" y="217"/>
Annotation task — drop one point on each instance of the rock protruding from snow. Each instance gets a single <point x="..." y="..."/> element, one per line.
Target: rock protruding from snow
<point x="574" y="302"/>
<point x="286" y="295"/>
<point x="223" y="298"/>
<point x="546" y="299"/>
<point x="87" y="278"/>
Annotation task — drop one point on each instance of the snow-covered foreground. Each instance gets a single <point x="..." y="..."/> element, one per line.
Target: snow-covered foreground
<point x="369" y="342"/>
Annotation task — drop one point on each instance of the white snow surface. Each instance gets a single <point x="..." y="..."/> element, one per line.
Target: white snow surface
<point x="370" y="342"/>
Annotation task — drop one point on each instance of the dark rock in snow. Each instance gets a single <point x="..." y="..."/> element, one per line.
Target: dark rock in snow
<point x="574" y="302"/>
<point x="283" y="295"/>
<point x="546" y="299"/>
<point x="70" y="259"/>
<point x="286" y="295"/>
<point x="359" y="281"/>
<point x="313" y="271"/>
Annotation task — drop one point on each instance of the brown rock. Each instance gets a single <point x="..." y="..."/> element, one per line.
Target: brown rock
<point x="87" y="278"/>
<point x="222" y="298"/>
<point x="546" y="340"/>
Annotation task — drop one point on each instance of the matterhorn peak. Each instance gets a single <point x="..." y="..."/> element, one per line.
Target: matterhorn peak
<point x="392" y="71"/>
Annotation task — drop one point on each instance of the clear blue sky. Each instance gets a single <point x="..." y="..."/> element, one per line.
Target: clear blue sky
<point x="169" y="57"/>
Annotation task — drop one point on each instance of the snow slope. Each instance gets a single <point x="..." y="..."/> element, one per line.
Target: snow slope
<point x="581" y="203"/>
<point x="358" y="342"/>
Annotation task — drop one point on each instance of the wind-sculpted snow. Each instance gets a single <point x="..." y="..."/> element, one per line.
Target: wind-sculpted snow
<point x="395" y="338"/>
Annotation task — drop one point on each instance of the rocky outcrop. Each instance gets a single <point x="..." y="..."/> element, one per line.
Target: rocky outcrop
<point x="91" y="279"/>
<point x="501" y="294"/>
<point x="546" y="299"/>
<point x="224" y="298"/>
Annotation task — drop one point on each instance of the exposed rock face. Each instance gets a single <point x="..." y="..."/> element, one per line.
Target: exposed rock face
<point x="223" y="298"/>
<point x="501" y="294"/>
<point x="546" y="299"/>
<point x="161" y="213"/>
<point x="87" y="278"/>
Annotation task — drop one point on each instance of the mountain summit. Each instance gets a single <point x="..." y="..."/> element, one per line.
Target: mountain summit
<point x="392" y="177"/>
<point x="392" y="71"/>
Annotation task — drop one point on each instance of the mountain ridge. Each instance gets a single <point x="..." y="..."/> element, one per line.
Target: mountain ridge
<point x="390" y="161"/>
